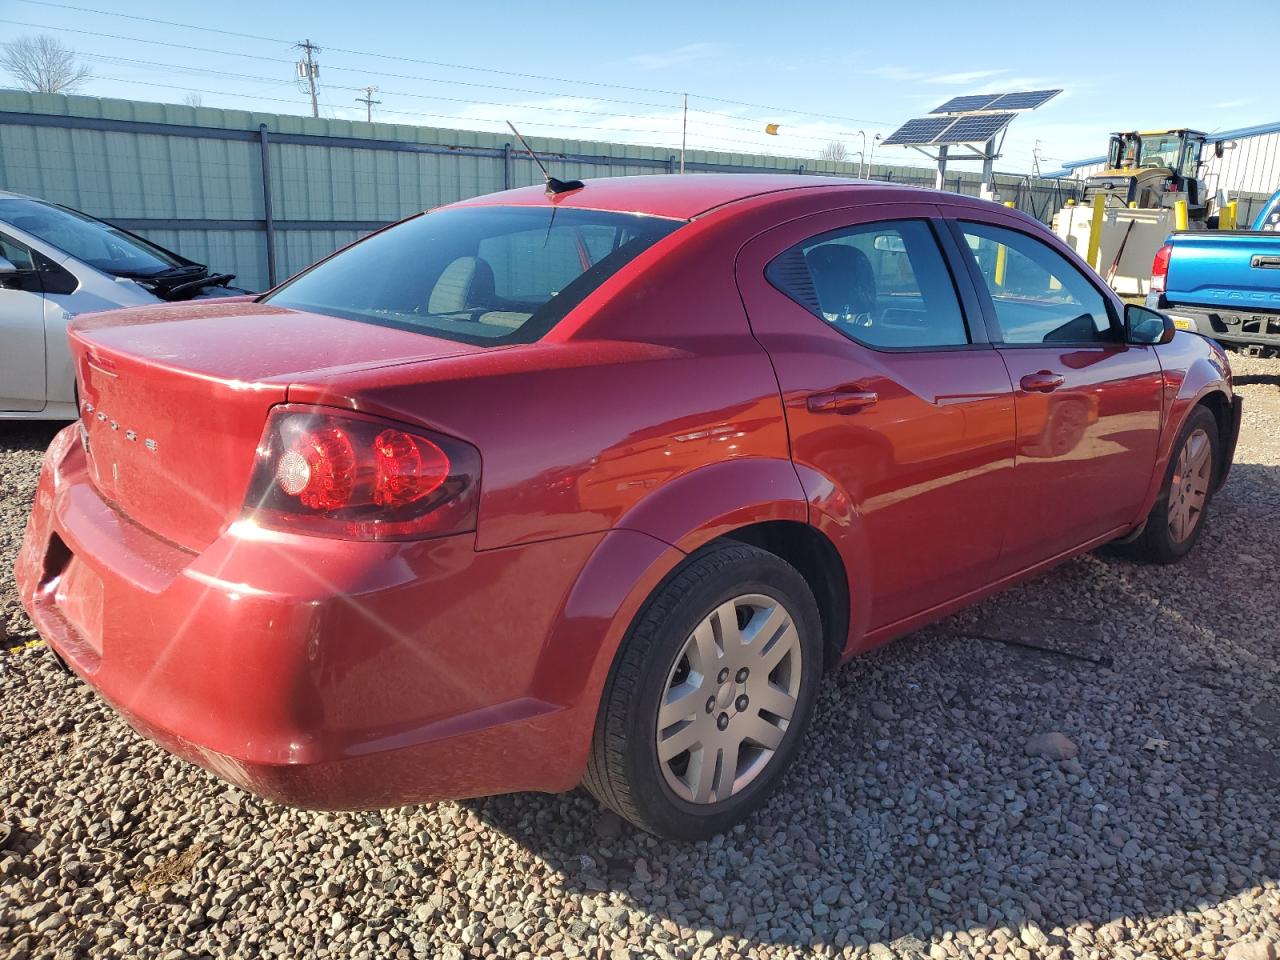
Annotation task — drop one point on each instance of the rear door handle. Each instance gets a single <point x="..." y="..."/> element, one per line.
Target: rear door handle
<point x="1045" y="381"/>
<point x="1265" y="262"/>
<point x="842" y="401"/>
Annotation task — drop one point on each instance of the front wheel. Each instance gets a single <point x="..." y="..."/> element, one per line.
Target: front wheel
<point x="710" y="695"/>
<point x="1178" y="516"/>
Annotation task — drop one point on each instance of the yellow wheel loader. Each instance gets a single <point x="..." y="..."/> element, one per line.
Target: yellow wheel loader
<point x="1151" y="186"/>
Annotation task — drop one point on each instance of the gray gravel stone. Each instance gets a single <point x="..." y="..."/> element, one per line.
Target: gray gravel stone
<point x="925" y="831"/>
<point x="1052" y="746"/>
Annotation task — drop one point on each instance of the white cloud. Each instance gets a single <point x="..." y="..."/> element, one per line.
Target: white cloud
<point x="671" y="58"/>
<point x="964" y="77"/>
<point x="1230" y="104"/>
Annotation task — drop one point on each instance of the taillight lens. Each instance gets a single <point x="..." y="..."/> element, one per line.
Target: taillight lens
<point x="1160" y="269"/>
<point x="360" y="478"/>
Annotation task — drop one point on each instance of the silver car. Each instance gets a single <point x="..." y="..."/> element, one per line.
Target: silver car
<point x="56" y="262"/>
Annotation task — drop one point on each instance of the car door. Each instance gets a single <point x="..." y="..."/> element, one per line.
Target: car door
<point x="900" y="413"/>
<point x="1088" y="404"/>
<point x="22" y="339"/>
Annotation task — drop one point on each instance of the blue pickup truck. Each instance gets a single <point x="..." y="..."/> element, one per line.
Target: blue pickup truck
<point x="1224" y="284"/>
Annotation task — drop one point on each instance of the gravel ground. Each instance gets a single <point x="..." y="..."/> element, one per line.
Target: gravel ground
<point x="960" y="796"/>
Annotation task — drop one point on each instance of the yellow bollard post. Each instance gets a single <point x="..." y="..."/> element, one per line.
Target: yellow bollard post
<point x="1227" y="216"/>
<point x="1002" y="256"/>
<point x="1180" y="214"/>
<point x="1133" y="204"/>
<point x="1095" y="230"/>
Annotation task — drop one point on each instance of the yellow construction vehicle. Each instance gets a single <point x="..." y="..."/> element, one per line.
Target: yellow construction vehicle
<point x="1151" y="186"/>
<point x="1153" y="169"/>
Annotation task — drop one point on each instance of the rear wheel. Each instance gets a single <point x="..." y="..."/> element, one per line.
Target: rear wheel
<point x="710" y="695"/>
<point x="1178" y="517"/>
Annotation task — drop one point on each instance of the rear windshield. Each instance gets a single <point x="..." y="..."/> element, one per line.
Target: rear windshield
<point x="482" y="275"/>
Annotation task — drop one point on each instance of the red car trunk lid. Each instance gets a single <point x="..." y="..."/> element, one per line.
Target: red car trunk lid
<point x="174" y="398"/>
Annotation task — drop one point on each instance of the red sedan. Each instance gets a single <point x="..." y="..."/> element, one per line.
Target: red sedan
<point x="592" y="486"/>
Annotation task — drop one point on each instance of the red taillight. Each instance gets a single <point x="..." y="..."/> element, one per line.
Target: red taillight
<point x="1160" y="269"/>
<point x="352" y="476"/>
<point x="409" y="468"/>
<point x="319" y="468"/>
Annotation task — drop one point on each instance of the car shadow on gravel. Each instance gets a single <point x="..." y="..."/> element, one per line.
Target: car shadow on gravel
<point x="918" y="808"/>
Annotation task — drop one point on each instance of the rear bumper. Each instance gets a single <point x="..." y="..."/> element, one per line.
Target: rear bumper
<point x="319" y="673"/>
<point x="1226" y="325"/>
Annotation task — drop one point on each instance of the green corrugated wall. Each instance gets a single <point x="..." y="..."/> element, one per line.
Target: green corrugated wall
<point x="128" y="175"/>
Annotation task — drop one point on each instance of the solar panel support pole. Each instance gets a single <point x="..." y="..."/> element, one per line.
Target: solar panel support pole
<point x="988" y="160"/>
<point x="941" y="182"/>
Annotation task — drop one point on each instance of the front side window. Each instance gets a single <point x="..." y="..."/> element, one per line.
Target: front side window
<point x="884" y="285"/>
<point x="1039" y="297"/>
<point x="481" y="275"/>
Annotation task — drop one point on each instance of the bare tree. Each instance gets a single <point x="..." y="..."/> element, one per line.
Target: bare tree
<point x="43" y="65"/>
<point x="835" y="150"/>
<point x="193" y="100"/>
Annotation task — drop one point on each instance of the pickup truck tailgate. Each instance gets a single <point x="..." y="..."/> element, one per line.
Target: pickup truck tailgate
<point x="1235" y="269"/>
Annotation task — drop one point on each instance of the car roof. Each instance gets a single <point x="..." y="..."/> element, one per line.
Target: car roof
<point x="664" y="195"/>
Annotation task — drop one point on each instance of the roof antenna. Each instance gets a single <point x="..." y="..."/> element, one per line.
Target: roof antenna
<point x="554" y="186"/>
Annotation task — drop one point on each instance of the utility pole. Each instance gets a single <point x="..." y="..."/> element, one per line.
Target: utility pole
<point x="309" y="70"/>
<point x="684" y="131"/>
<point x="368" y="102"/>
<point x="1035" y="159"/>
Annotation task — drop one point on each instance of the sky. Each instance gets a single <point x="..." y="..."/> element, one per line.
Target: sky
<point x="842" y="71"/>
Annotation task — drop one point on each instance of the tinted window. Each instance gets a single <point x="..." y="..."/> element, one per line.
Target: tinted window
<point x="484" y="275"/>
<point x="1039" y="297"/>
<point x="882" y="284"/>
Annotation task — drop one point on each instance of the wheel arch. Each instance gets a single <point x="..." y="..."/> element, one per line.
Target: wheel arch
<point x="1217" y="402"/>
<point x="813" y="554"/>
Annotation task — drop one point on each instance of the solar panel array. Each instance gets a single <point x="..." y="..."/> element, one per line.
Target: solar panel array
<point x="975" y="128"/>
<point x="974" y="118"/>
<point x="968" y="128"/>
<point x="974" y="103"/>
<point x="921" y="130"/>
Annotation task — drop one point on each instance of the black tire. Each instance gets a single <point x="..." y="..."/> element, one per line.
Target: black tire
<point x="1156" y="543"/>
<point x="624" y="771"/>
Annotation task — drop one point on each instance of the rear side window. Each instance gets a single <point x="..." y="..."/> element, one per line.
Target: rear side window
<point x="1039" y="297"/>
<point x="482" y="275"/>
<point x="884" y="285"/>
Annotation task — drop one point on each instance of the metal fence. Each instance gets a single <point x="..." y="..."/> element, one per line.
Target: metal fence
<point x="263" y="195"/>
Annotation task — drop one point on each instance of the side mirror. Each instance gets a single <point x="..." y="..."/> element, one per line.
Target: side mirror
<point x="7" y="269"/>
<point x="1146" y="328"/>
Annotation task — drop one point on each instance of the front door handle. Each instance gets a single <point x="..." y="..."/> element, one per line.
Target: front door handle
<point x="1045" y="381"/>
<point x="842" y="401"/>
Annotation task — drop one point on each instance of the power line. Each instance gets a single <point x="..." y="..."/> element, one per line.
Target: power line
<point x="457" y="66"/>
<point x="756" y="122"/>
<point x="156" y="65"/>
<point x="407" y="113"/>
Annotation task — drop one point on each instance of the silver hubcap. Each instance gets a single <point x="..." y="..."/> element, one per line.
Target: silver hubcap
<point x="1190" y="485"/>
<point x="729" y="698"/>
